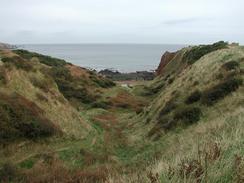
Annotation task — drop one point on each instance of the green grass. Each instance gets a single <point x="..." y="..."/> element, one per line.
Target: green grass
<point x="197" y="52"/>
<point x="27" y="164"/>
<point x="119" y="142"/>
<point x="21" y="118"/>
<point x="47" y="60"/>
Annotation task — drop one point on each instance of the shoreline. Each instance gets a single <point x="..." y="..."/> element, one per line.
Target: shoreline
<point x="131" y="76"/>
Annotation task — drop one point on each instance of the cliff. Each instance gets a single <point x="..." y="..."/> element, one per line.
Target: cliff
<point x="166" y="58"/>
<point x="63" y="123"/>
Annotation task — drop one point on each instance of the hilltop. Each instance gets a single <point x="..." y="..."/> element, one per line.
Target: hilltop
<point x="64" y="123"/>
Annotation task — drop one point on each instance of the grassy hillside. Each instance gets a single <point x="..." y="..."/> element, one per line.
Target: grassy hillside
<point x="63" y="123"/>
<point x="193" y="129"/>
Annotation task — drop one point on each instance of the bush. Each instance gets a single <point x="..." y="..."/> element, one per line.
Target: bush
<point x="70" y="91"/>
<point x="43" y="84"/>
<point x="22" y="118"/>
<point x="197" y="52"/>
<point x="101" y="104"/>
<point x="47" y="60"/>
<point x="102" y="82"/>
<point x="231" y="65"/>
<point x="61" y="73"/>
<point x="168" y="107"/>
<point x="70" y="87"/>
<point x="188" y="115"/>
<point x="171" y="80"/>
<point x="8" y="172"/>
<point x="19" y="63"/>
<point x="219" y="91"/>
<point x="154" y="89"/>
<point x="3" y="77"/>
<point x="194" y="97"/>
<point x="167" y="123"/>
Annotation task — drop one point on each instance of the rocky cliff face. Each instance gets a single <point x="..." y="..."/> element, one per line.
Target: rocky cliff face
<point x="166" y="58"/>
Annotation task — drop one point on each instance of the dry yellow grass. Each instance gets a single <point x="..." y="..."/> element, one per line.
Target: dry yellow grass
<point x="208" y="151"/>
<point x="56" y="107"/>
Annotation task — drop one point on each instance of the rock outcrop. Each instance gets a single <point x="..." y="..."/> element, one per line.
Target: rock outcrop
<point x="118" y="76"/>
<point x="166" y="58"/>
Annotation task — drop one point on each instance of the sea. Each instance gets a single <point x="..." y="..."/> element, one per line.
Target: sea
<point x="121" y="57"/>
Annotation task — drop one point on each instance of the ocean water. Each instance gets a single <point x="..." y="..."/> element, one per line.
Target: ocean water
<point x="121" y="57"/>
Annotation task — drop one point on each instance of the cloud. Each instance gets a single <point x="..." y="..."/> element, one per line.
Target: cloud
<point x="183" y="21"/>
<point x="157" y="21"/>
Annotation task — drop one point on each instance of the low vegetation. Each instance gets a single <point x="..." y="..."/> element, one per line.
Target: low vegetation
<point x="219" y="91"/>
<point x="188" y="115"/>
<point x="193" y="97"/>
<point x="18" y="62"/>
<point x="136" y="76"/>
<point x="71" y="87"/>
<point x="21" y="118"/>
<point x="197" y="52"/>
<point x="47" y="60"/>
<point x="169" y="106"/>
<point x="231" y="65"/>
<point x="181" y="127"/>
<point x="3" y="75"/>
<point x="102" y="82"/>
<point x="9" y="173"/>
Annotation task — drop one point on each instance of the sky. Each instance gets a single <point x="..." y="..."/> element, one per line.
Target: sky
<point x="121" y="21"/>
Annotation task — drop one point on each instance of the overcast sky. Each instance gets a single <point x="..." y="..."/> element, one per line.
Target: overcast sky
<point x="121" y="21"/>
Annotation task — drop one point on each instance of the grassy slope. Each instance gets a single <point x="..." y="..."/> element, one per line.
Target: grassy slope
<point x="91" y="134"/>
<point x="115" y="140"/>
<point x="21" y="82"/>
<point x="213" y="146"/>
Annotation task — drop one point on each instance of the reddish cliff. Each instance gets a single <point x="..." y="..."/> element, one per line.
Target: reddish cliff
<point x="166" y="58"/>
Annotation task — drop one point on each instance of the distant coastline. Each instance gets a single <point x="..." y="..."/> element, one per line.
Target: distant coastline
<point x="7" y="46"/>
<point x="124" y="58"/>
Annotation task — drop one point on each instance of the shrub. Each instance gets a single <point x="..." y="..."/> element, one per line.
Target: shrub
<point x="154" y="89"/>
<point x="43" y="84"/>
<point x="219" y="91"/>
<point x="47" y="60"/>
<point x="167" y="123"/>
<point x="193" y="97"/>
<point x="22" y="118"/>
<point x="70" y="87"/>
<point x="155" y="130"/>
<point x="197" y="52"/>
<point x="168" y="107"/>
<point x="19" y="63"/>
<point x="61" y="73"/>
<point x="3" y="77"/>
<point x="28" y="164"/>
<point x="195" y="83"/>
<point x="8" y="172"/>
<point x="188" y="115"/>
<point x="231" y="65"/>
<point x="101" y="104"/>
<point x="171" y="80"/>
<point x="102" y="82"/>
<point x="70" y="91"/>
